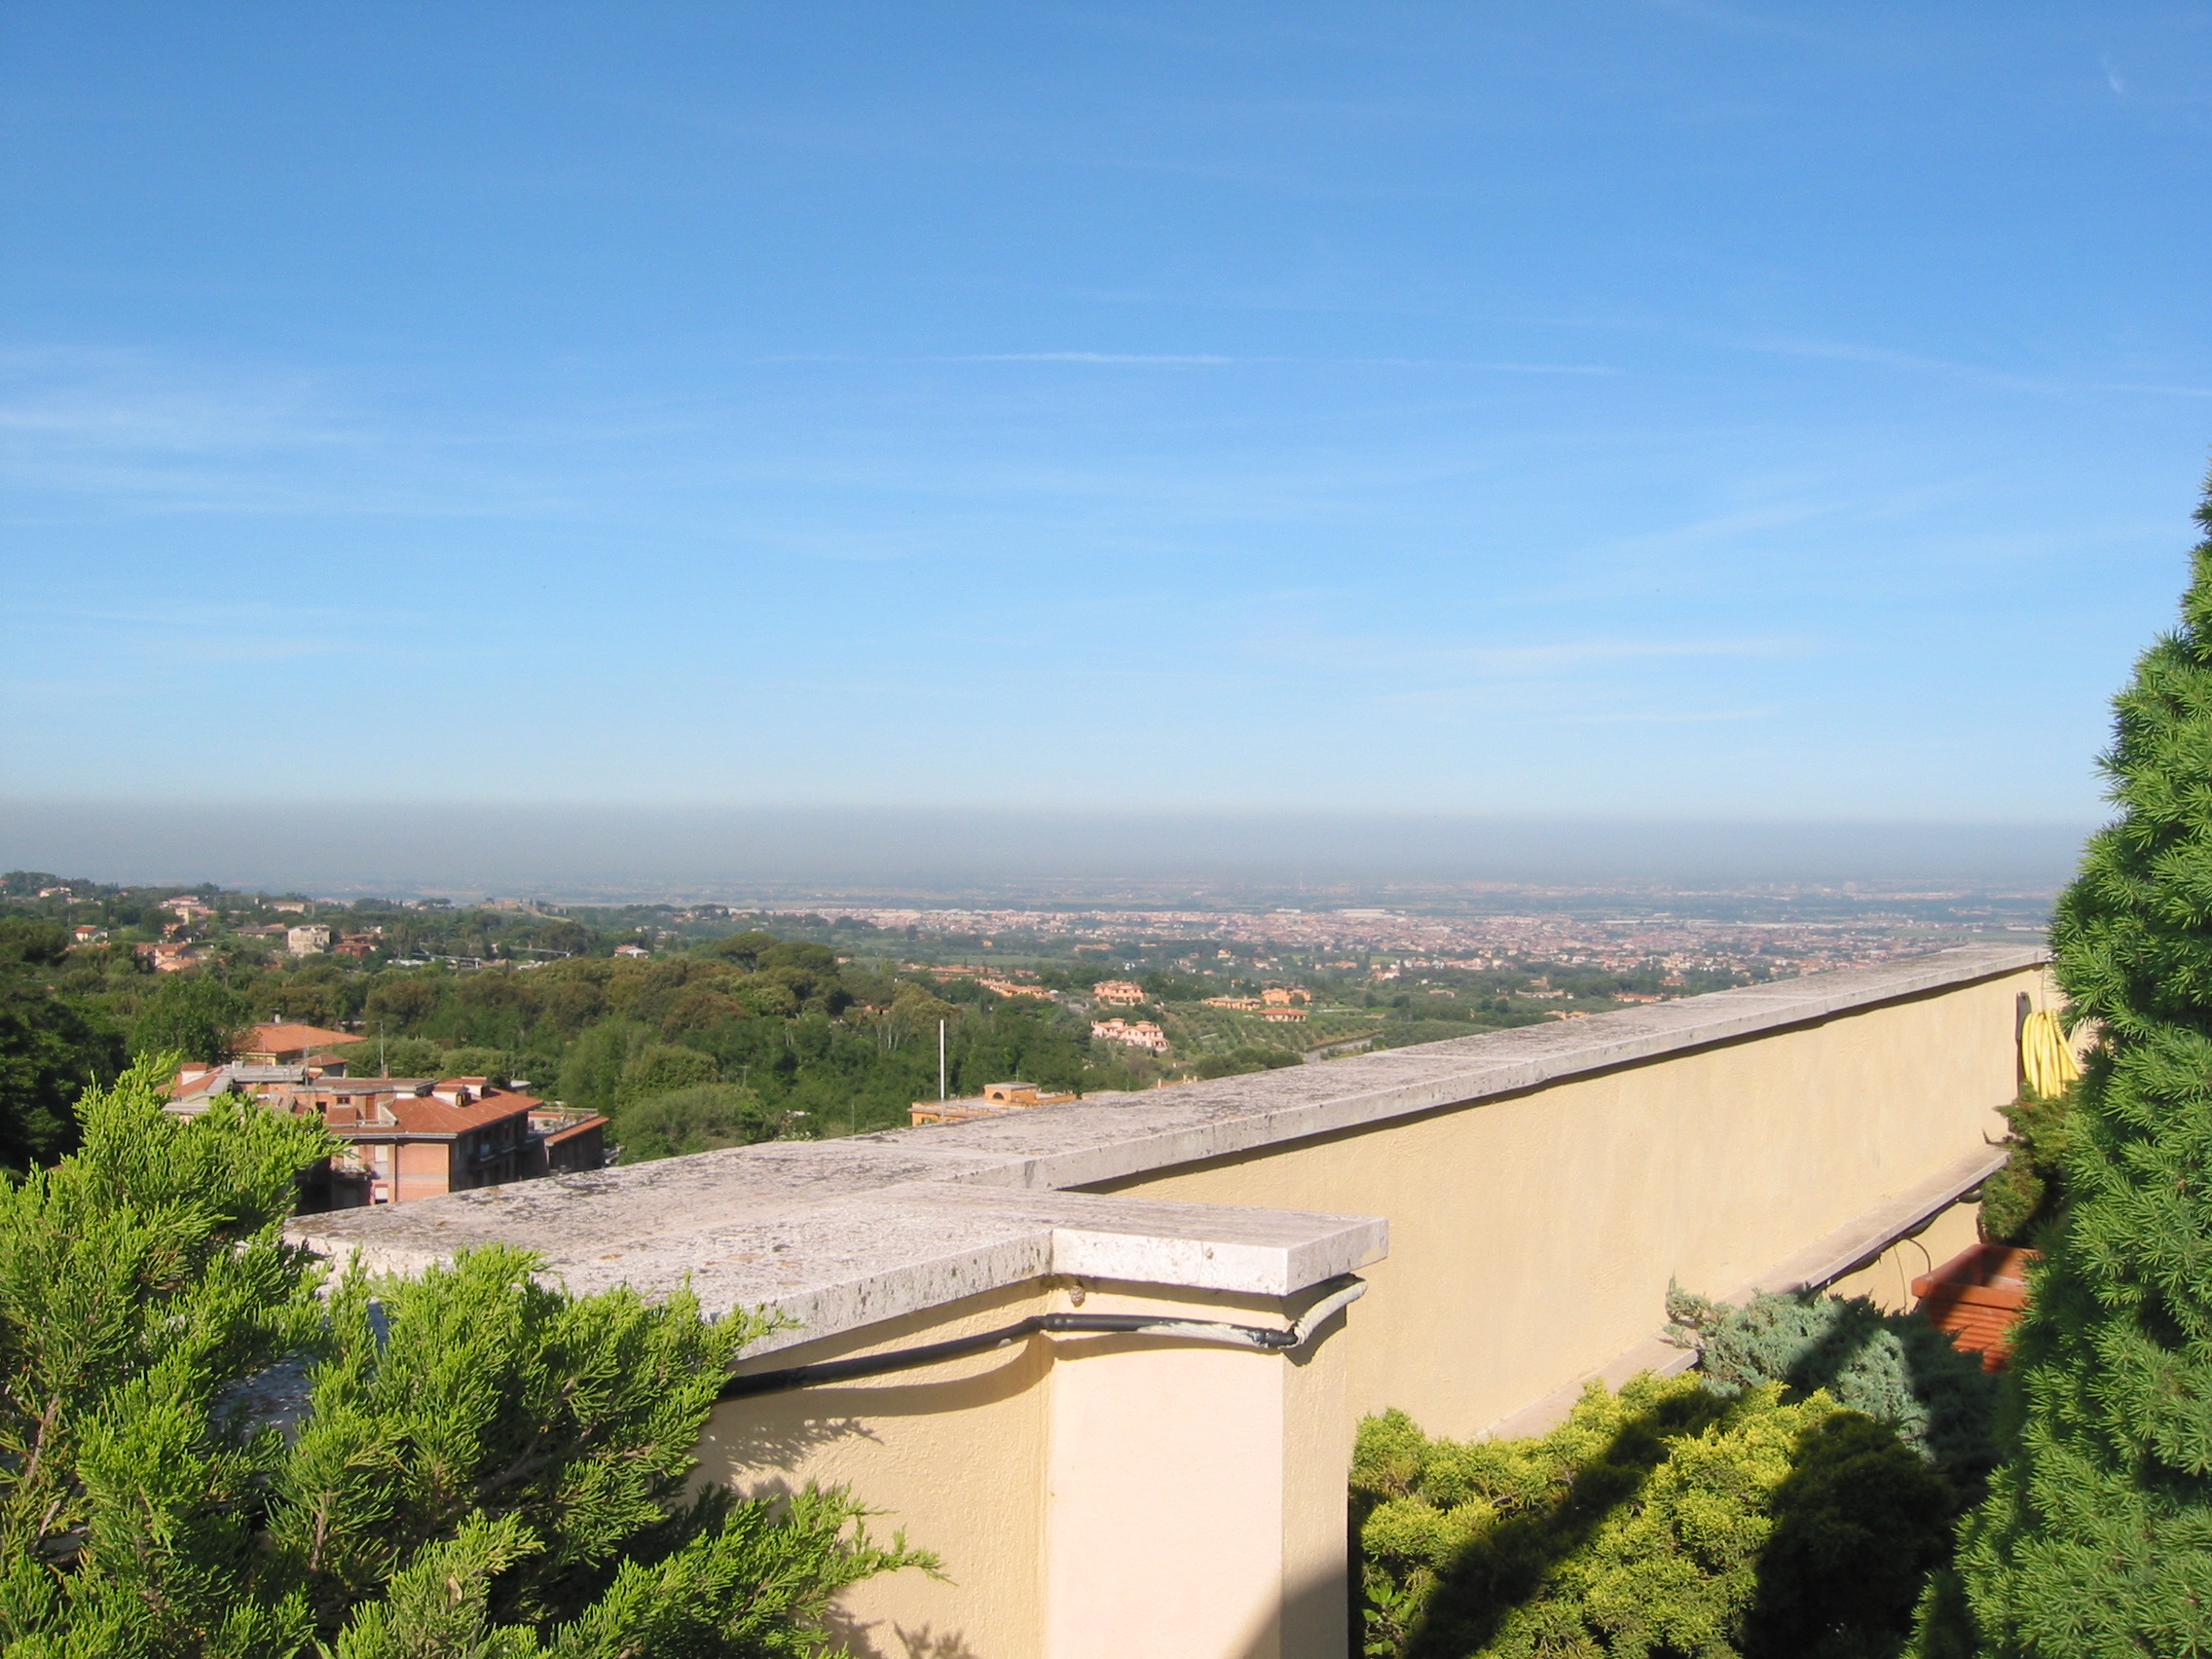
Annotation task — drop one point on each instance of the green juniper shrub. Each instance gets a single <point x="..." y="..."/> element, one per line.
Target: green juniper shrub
<point x="1660" y="1521"/>
<point x="1858" y="1527"/>
<point x="2025" y="1192"/>
<point x="200" y="1458"/>
<point x="2096" y="1538"/>
<point x="1896" y="1368"/>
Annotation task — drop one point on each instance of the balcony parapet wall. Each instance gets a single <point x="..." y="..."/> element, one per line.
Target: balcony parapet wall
<point x="1517" y="1202"/>
<point x="838" y="1233"/>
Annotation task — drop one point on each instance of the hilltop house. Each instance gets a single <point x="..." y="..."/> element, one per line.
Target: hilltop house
<point x="288" y="1043"/>
<point x="1118" y="993"/>
<point x="1138" y="1034"/>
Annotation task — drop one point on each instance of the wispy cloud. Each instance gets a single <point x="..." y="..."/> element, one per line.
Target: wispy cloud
<point x="1532" y="660"/>
<point x="1157" y="359"/>
<point x="1883" y="357"/>
<point x="1206" y="360"/>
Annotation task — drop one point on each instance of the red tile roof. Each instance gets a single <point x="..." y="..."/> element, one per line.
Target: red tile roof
<point x="427" y="1115"/>
<point x="284" y="1036"/>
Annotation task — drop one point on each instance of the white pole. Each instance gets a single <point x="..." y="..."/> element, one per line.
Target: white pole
<point x="940" y="1059"/>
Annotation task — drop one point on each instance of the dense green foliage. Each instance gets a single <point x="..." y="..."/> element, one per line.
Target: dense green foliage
<point x="702" y="1118"/>
<point x="475" y="1464"/>
<point x="51" y="1047"/>
<point x="1237" y="1061"/>
<point x="2096" y="1538"/>
<point x="1895" y="1368"/>
<point x="192" y="1014"/>
<point x="2026" y="1191"/>
<point x="1661" y="1521"/>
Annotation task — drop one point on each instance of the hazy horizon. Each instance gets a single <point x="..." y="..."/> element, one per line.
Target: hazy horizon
<point x="355" y="843"/>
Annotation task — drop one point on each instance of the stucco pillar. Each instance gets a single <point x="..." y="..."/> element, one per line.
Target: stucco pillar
<point x="1195" y="1500"/>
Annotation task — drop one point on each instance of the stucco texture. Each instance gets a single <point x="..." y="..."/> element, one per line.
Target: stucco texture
<point x="1533" y="1238"/>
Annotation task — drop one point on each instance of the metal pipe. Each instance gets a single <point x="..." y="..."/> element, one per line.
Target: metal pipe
<point x="1263" y="1339"/>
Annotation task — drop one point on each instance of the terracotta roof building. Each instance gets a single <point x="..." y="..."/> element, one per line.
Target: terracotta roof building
<point x="996" y="1098"/>
<point x="287" y="1043"/>
<point x="408" y="1137"/>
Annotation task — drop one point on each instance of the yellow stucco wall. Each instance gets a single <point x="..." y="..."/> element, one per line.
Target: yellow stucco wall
<point x="1533" y="1238"/>
<point x="1887" y="1280"/>
<point x="1091" y="1497"/>
<point x="955" y="1454"/>
<point x="1099" y="1497"/>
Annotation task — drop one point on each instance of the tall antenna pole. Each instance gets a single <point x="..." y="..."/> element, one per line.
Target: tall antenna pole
<point x="940" y="1059"/>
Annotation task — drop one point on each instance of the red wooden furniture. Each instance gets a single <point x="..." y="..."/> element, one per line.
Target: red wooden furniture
<point x="1976" y="1296"/>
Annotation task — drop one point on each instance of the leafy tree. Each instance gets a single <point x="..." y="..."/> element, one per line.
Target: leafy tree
<point x="27" y="941"/>
<point x="49" y="1048"/>
<point x="702" y="1118"/>
<point x="2096" y="1538"/>
<point x="396" y="1057"/>
<point x="662" y="1068"/>
<point x="200" y="1459"/>
<point x="562" y="935"/>
<point x="495" y="1064"/>
<point x="197" y="1016"/>
<point x="745" y="947"/>
<point x="802" y="954"/>
<point x="401" y="1005"/>
<point x="1238" y="1061"/>
<point x="591" y="1072"/>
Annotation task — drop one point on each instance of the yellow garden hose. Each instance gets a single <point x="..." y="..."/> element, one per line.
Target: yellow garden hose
<point x="2047" y="1059"/>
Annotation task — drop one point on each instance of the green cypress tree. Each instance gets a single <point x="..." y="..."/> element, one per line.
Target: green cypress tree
<point x="2096" y="1538"/>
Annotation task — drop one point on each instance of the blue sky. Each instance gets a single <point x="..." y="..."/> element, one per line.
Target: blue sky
<point x="1679" y="410"/>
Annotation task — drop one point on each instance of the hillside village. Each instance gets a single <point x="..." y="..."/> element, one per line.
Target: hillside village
<point x="565" y="1035"/>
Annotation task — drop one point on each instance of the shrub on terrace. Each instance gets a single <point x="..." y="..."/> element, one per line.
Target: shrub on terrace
<point x="2096" y="1538"/>
<point x="200" y="1458"/>
<point x="1657" y="1521"/>
<point x="1896" y="1368"/>
<point x="2025" y="1192"/>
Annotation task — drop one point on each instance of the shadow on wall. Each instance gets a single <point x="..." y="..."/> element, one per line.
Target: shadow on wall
<point x="770" y="1442"/>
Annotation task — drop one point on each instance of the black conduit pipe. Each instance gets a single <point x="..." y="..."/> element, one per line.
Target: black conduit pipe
<point x="1263" y="1339"/>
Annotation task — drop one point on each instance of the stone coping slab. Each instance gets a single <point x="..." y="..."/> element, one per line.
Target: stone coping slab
<point x="839" y="1234"/>
<point x="837" y="1261"/>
